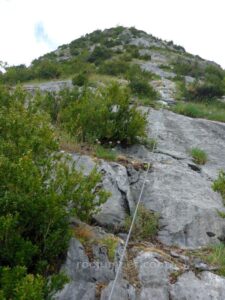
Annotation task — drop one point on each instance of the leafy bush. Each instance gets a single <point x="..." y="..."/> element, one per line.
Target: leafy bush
<point x="17" y="74"/>
<point x="204" y="91"/>
<point x="77" y="44"/>
<point x="139" y="84"/>
<point x="99" y="54"/>
<point x="199" y="156"/>
<point x="190" y="68"/>
<point x="134" y="71"/>
<point x="37" y="187"/>
<point x="46" y="69"/>
<point x="80" y="79"/>
<point x="114" y="67"/>
<point x="141" y="87"/>
<point x="219" y="184"/>
<point x="53" y="103"/>
<point x="105" y="115"/>
<point x="145" y="226"/>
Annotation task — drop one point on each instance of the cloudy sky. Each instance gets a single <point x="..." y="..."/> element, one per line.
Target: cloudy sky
<point x="30" y="28"/>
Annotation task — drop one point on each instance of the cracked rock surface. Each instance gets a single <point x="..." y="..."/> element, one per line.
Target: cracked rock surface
<point x="181" y="192"/>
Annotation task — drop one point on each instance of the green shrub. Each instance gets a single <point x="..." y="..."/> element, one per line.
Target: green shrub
<point x="204" y="91"/>
<point x="145" y="226"/>
<point x="138" y="82"/>
<point x="37" y="186"/>
<point x="105" y="115"/>
<point x="17" y="74"/>
<point x="133" y="51"/>
<point x="16" y="283"/>
<point x="142" y="88"/>
<point x="114" y="67"/>
<point x="135" y="71"/>
<point x="46" y="69"/>
<point x="146" y="57"/>
<point x="199" y="156"/>
<point x="219" y="184"/>
<point x="99" y="54"/>
<point x="80" y="79"/>
<point x="53" y="103"/>
<point x="190" y="68"/>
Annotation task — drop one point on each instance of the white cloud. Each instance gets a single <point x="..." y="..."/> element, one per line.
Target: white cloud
<point x="195" y="24"/>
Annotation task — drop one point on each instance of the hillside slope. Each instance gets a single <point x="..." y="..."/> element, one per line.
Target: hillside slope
<point x="95" y="91"/>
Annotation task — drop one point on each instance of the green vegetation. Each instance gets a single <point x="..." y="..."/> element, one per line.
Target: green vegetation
<point x="149" y="143"/>
<point x="111" y="244"/>
<point x="217" y="257"/>
<point x="80" y="79"/>
<point x="211" y="85"/>
<point x="145" y="226"/>
<point x="139" y="82"/>
<point x="213" y="255"/>
<point x="199" y="156"/>
<point x="208" y="110"/>
<point x="99" y="54"/>
<point x="219" y="184"/>
<point x="114" y="67"/>
<point x="105" y="153"/>
<point x="187" y="68"/>
<point x="104" y="115"/>
<point x="37" y="186"/>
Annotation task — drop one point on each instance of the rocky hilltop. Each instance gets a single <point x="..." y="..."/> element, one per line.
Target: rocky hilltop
<point x="185" y="110"/>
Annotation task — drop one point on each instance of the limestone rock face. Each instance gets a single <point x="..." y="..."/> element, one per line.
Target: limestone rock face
<point x="116" y="181"/>
<point x="205" y="287"/>
<point x="77" y="290"/>
<point x="50" y="86"/>
<point x="123" y="291"/>
<point x="181" y="192"/>
<point x="154" y="276"/>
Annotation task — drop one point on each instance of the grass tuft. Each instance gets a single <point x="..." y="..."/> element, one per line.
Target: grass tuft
<point x="199" y="156"/>
<point x="145" y="226"/>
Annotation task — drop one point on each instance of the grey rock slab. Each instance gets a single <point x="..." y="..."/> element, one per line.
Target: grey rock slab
<point x="154" y="294"/>
<point x="186" y="203"/>
<point x="84" y="163"/>
<point x="166" y="89"/>
<point x="79" y="290"/>
<point x="180" y="191"/>
<point x="207" y="286"/>
<point x="79" y="268"/>
<point x="154" y="68"/>
<point x="123" y="291"/>
<point x="49" y="86"/>
<point x="152" y="272"/>
<point x="179" y="134"/>
<point x="120" y="203"/>
<point x="114" y="180"/>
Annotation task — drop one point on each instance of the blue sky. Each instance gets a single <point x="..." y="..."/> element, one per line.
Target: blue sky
<point x="42" y="36"/>
<point x="30" y="28"/>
